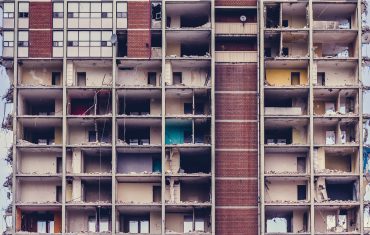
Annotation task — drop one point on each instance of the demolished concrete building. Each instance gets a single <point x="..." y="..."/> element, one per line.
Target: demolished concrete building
<point x="187" y="117"/>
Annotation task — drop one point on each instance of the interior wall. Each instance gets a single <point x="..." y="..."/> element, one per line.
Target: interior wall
<point x="283" y="76"/>
<point x="134" y="163"/>
<point x="96" y="76"/>
<point x="38" y="76"/>
<point x="135" y="192"/>
<point x="282" y="162"/>
<point x="176" y="105"/>
<point x="336" y="74"/>
<point x="283" y="190"/>
<point x="37" y="191"/>
<point x="38" y="162"/>
<point x="155" y="135"/>
<point x="136" y="77"/>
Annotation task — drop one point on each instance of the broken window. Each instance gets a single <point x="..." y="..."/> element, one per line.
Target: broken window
<point x="38" y="222"/>
<point x="191" y="164"/>
<point x="272" y="16"/>
<point x="188" y="108"/>
<point x="56" y="78"/>
<point x="321" y="78"/>
<point x="152" y="78"/>
<point x="285" y="51"/>
<point x="121" y="44"/>
<point x="41" y="136"/>
<point x="341" y="191"/>
<point x="302" y="192"/>
<point x="134" y="106"/>
<point x="81" y="78"/>
<point x="281" y="224"/>
<point x="177" y="78"/>
<point x="279" y="136"/>
<point x="42" y="106"/>
<point x="135" y="224"/>
<point x="136" y="135"/>
<point x="156" y="12"/>
<point x="91" y="224"/>
<point x="295" y="78"/>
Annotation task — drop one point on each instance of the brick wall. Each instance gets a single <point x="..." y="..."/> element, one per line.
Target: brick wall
<point x="232" y="106"/>
<point x="236" y="3"/>
<point x="40" y="15"/>
<point x="236" y="135"/>
<point x="236" y="221"/>
<point x="241" y="77"/>
<point x="237" y="192"/>
<point x="236" y="106"/>
<point x="40" y="43"/>
<point x="236" y="163"/>
<point x="138" y="43"/>
<point x="138" y="15"/>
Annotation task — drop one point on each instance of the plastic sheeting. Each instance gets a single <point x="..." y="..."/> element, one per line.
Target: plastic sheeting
<point x="175" y="133"/>
<point x="366" y="154"/>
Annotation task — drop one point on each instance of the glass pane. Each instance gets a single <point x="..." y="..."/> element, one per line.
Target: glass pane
<point x="188" y="224"/>
<point x="41" y="226"/>
<point x="199" y="225"/>
<point x="144" y="226"/>
<point x="91" y="224"/>
<point x="134" y="226"/>
<point x="104" y="225"/>
<point x="51" y="226"/>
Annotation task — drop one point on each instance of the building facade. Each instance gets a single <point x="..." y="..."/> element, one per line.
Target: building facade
<point x="225" y="117"/>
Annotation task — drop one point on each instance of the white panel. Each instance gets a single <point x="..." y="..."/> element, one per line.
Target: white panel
<point x="58" y="7"/>
<point x="8" y="23"/>
<point x="72" y="51"/>
<point x="8" y="36"/>
<point x="107" y="7"/>
<point x="58" y="36"/>
<point x="84" y="7"/>
<point x="73" y="23"/>
<point x="106" y="52"/>
<point x="8" y="52"/>
<point x="57" y="51"/>
<point x="83" y="51"/>
<point x="72" y="7"/>
<point x="57" y="23"/>
<point x="22" y="51"/>
<point x="122" y="23"/>
<point x="95" y="23"/>
<point x="72" y="36"/>
<point x="8" y="7"/>
<point x="95" y="51"/>
<point x="95" y="36"/>
<point x="23" y="23"/>
<point x="95" y="7"/>
<point x="84" y="23"/>
<point x="23" y="36"/>
<point x="83" y="35"/>
<point x="107" y="23"/>
<point x="106" y="35"/>
<point x="23" y="7"/>
<point x="121" y="6"/>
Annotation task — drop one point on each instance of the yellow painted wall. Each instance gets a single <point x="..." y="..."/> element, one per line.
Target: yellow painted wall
<point x="282" y="76"/>
<point x="173" y="48"/>
<point x="135" y="192"/>
<point x="299" y="135"/>
<point x="58" y="135"/>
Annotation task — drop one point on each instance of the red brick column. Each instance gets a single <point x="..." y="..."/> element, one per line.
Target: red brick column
<point x="236" y="149"/>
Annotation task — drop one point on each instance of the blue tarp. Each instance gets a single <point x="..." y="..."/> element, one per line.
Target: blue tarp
<point x="175" y="133"/>
<point x="366" y="155"/>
